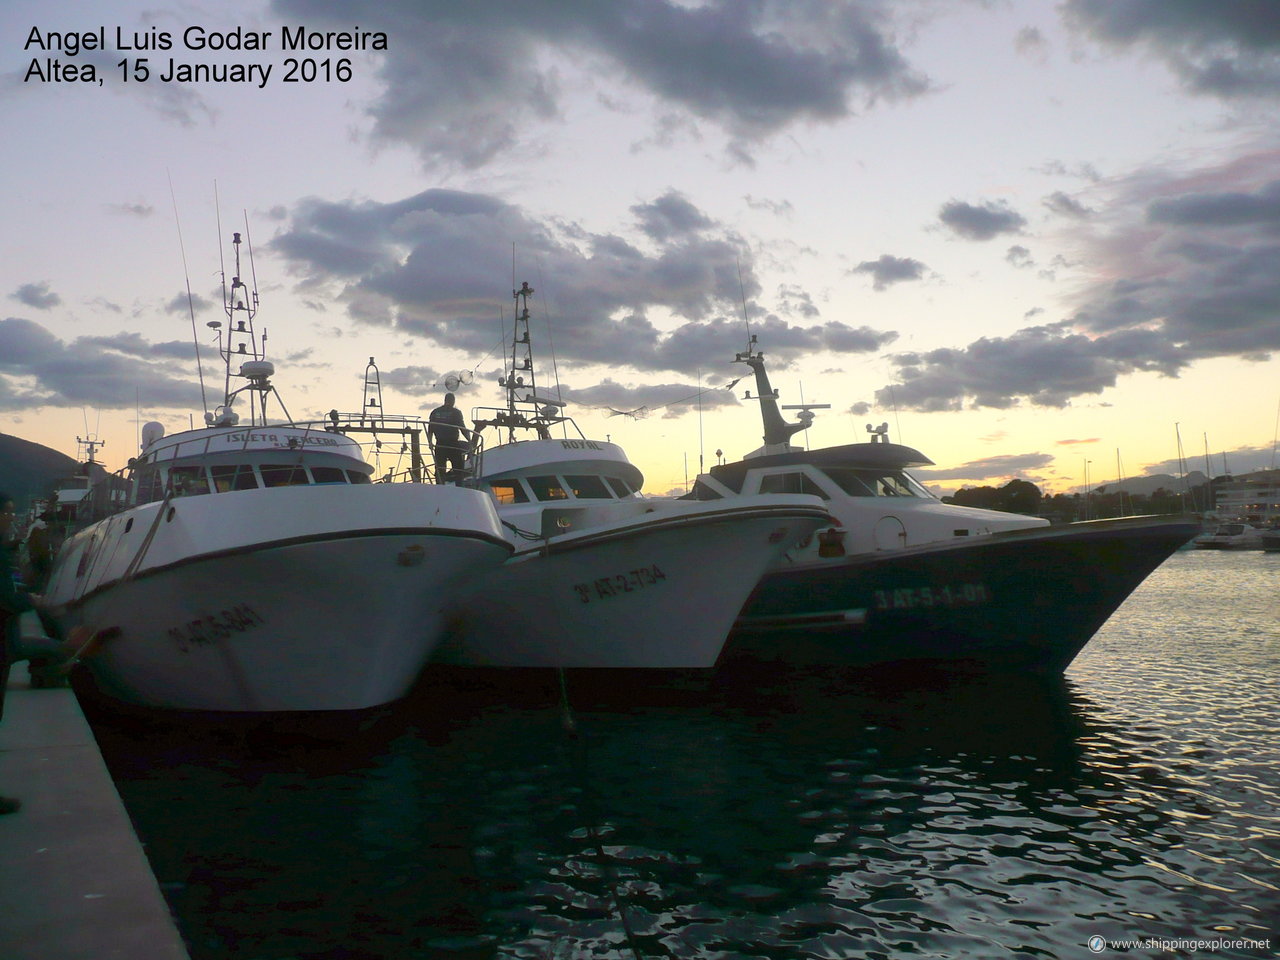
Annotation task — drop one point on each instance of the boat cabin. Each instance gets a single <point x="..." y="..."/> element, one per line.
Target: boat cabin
<point x="555" y="471"/>
<point x="223" y="460"/>
<point x="833" y="473"/>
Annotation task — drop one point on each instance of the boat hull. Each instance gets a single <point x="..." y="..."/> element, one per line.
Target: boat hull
<point x="661" y="593"/>
<point x="328" y="600"/>
<point x="1025" y="601"/>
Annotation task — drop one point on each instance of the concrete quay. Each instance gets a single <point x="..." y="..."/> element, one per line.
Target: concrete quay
<point x="74" y="880"/>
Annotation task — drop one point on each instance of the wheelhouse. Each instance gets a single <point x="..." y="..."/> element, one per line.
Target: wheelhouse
<point x="853" y="470"/>
<point x="234" y="460"/>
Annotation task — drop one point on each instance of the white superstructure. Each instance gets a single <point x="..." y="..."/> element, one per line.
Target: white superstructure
<point x="257" y="567"/>
<point x="601" y="576"/>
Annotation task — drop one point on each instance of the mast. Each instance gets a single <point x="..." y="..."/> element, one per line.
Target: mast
<point x="777" y="432"/>
<point x="520" y="382"/>
<point x="242" y="344"/>
<point x="372" y="407"/>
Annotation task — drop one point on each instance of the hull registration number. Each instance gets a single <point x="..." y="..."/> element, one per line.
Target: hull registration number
<point x="620" y="583"/>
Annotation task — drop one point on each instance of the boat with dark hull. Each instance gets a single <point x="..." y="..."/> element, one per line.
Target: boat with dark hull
<point x="1021" y="600"/>
<point x="904" y="577"/>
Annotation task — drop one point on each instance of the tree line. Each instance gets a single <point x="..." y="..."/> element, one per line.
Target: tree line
<point x="1022" y="496"/>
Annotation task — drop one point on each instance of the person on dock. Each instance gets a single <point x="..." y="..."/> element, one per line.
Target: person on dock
<point x="13" y="603"/>
<point x="39" y="553"/>
<point x="443" y="428"/>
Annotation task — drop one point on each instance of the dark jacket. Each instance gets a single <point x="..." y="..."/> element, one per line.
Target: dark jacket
<point x="13" y="603"/>
<point x="444" y="425"/>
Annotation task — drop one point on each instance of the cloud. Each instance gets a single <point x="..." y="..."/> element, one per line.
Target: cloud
<point x="1185" y="267"/>
<point x="778" y="208"/>
<point x="433" y="265"/>
<point x="1226" y="209"/>
<point x="670" y="216"/>
<point x="36" y="295"/>
<point x="136" y="209"/>
<point x="644" y="400"/>
<point x="184" y="304"/>
<point x="1235" y="461"/>
<point x="1201" y="266"/>
<point x="38" y="370"/>
<point x="982" y="221"/>
<point x="888" y="270"/>
<point x="1066" y="206"/>
<point x="1019" y="256"/>
<point x="1031" y="43"/>
<point x="462" y="83"/>
<point x="1008" y="465"/>
<point x="1046" y="366"/>
<point x="1220" y="49"/>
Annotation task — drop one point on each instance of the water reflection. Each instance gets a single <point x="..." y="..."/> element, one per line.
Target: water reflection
<point x="783" y="815"/>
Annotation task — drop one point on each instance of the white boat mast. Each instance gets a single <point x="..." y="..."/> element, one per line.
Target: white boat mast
<point x="777" y="432"/>
<point x="243" y="345"/>
<point x="525" y="410"/>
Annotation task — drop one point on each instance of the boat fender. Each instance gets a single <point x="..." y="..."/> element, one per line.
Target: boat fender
<point x="831" y="543"/>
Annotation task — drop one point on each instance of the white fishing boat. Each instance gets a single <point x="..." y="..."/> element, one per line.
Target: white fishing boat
<point x="257" y="568"/>
<point x="903" y="577"/>
<point x="1236" y="535"/>
<point x="602" y="576"/>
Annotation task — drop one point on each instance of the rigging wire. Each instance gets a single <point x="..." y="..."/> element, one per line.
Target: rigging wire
<point x="1275" y="436"/>
<point x="551" y="341"/>
<point x="191" y="306"/>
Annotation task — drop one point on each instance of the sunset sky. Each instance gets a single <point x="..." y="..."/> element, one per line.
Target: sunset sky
<point x="1035" y="238"/>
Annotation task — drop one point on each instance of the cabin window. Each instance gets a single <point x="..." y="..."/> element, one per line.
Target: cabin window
<point x="898" y="484"/>
<point x="876" y="483"/>
<point x="188" y="481"/>
<point x="149" y="488"/>
<point x="238" y="477"/>
<point x="852" y="482"/>
<point x="547" y="488"/>
<point x="355" y="476"/>
<point x="791" y="483"/>
<point x="588" y="487"/>
<point x="702" y="491"/>
<point x="620" y="487"/>
<point x="328" y="475"/>
<point x="731" y="479"/>
<point x="283" y="475"/>
<point x="508" y="491"/>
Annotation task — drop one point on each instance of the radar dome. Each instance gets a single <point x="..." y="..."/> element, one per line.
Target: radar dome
<point x="257" y="369"/>
<point x="151" y="432"/>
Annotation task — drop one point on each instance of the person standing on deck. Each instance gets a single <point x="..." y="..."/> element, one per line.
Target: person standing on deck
<point x="444" y="428"/>
<point x="13" y="603"/>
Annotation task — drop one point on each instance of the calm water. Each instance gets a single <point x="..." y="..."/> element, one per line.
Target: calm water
<point x="804" y="817"/>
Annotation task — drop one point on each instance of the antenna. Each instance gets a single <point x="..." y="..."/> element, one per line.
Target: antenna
<point x="700" y="467"/>
<point x="1275" y="437"/>
<point x="742" y="294"/>
<point x="551" y="342"/>
<point x="191" y="306"/>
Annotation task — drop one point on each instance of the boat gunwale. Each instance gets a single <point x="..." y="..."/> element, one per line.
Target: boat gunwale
<point x="647" y="523"/>
<point x="284" y="543"/>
